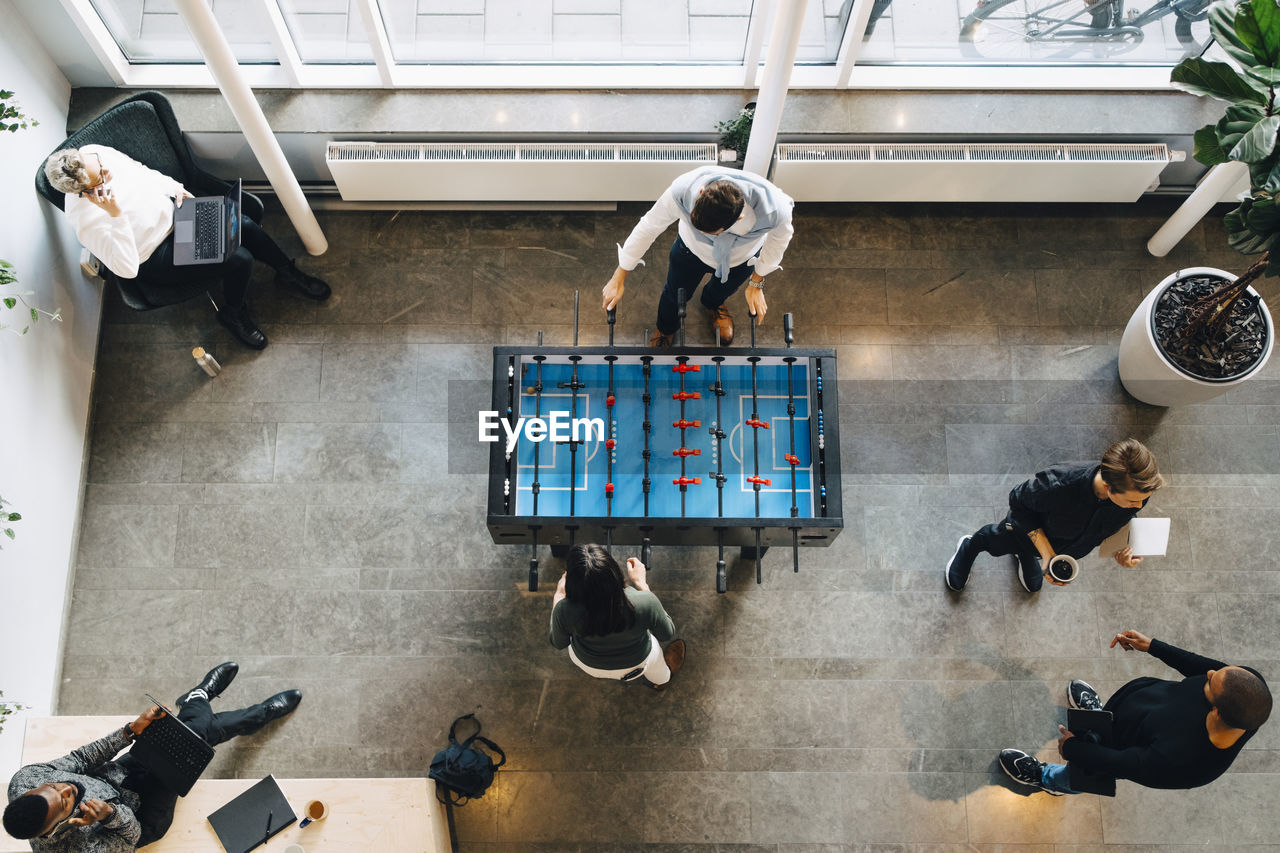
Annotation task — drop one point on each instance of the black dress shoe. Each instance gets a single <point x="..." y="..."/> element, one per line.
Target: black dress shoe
<point x="215" y="681"/>
<point x="242" y="326"/>
<point x="282" y="703"/>
<point x="310" y="286"/>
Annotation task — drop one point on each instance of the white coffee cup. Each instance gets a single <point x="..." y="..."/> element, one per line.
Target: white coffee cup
<point x="1062" y="569"/>
<point x="295" y="848"/>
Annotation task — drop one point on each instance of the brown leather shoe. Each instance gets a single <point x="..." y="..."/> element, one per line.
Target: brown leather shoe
<point x="721" y="319"/>
<point x="674" y="656"/>
<point x="661" y="340"/>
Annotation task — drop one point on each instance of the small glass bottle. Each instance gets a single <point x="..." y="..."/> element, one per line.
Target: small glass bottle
<point x="206" y="361"/>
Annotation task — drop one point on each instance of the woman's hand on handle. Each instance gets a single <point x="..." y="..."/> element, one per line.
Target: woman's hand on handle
<point x="637" y="574"/>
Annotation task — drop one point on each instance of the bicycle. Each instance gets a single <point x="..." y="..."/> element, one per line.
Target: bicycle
<point x="1013" y="29"/>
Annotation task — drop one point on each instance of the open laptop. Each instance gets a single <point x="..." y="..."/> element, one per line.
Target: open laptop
<point x="207" y="229"/>
<point x="172" y="751"/>
<point x="1095" y="725"/>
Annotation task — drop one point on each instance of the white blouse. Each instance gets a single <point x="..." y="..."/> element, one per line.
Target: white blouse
<point x="145" y="198"/>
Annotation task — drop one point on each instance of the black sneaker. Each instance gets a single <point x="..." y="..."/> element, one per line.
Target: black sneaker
<point x="1082" y="697"/>
<point x="242" y="326"/>
<point x="960" y="564"/>
<point x="1029" y="573"/>
<point x="1024" y="769"/>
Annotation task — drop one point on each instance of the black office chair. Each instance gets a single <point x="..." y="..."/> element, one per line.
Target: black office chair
<point x="145" y="128"/>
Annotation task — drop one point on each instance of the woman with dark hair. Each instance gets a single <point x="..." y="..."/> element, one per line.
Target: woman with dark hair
<point x="610" y="622"/>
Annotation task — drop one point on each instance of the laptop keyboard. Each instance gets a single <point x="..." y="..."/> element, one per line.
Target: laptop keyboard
<point x="168" y="736"/>
<point x="208" y="222"/>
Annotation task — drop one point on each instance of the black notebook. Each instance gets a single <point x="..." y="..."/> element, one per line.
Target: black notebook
<point x="253" y="817"/>
<point x="1096" y="725"/>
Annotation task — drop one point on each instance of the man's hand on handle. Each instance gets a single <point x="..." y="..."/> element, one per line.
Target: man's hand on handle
<point x="756" y="304"/>
<point x="145" y="719"/>
<point x="1132" y="641"/>
<point x="614" y="288"/>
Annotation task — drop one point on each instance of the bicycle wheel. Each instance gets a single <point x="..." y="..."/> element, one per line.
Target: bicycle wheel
<point x="1042" y="30"/>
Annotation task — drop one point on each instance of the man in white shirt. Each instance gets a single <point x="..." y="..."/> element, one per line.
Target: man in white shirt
<point x="123" y="213"/>
<point x="732" y="224"/>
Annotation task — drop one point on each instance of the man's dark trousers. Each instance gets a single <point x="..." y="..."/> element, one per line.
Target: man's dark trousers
<point x="156" y="812"/>
<point x="686" y="271"/>
<point x="1000" y="539"/>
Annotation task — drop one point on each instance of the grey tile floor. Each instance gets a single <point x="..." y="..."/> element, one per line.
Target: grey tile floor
<point x="297" y="514"/>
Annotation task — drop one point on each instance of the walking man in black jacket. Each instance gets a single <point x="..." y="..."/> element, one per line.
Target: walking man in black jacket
<point x="1067" y="508"/>
<point x="1165" y="734"/>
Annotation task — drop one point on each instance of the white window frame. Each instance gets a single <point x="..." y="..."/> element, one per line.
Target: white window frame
<point x="386" y="73"/>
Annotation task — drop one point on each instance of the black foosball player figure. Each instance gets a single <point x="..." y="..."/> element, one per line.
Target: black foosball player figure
<point x="1069" y="508"/>
<point x="733" y="225"/>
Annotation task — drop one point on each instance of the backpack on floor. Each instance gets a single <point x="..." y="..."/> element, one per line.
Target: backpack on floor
<point x="463" y="771"/>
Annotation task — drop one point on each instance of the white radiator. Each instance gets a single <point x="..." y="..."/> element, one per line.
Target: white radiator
<point x="510" y="171"/>
<point x="969" y="172"/>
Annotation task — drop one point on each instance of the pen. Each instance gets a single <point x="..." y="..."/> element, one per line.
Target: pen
<point x="267" y="836"/>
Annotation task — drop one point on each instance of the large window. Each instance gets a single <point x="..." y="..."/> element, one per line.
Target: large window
<point x="1006" y="44"/>
<point x="1035" y="32"/>
<point x="327" y="31"/>
<point x="152" y="31"/>
<point x="545" y="31"/>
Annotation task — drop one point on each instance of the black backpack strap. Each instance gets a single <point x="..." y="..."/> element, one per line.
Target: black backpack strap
<point x="453" y="728"/>
<point x="451" y="797"/>
<point x="493" y="746"/>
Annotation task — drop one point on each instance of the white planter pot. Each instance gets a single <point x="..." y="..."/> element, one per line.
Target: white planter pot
<point x="1152" y="378"/>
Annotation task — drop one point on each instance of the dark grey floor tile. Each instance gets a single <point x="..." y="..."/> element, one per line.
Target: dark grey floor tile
<point x="369" y="372"/>
<point x="329" y="453"/>
<point x="230" y="453"/>
<point x="286" y="373"/>
<point x="239" y="536"/>
<point x="1012" y="449"/>
<point x="960" y="296"/>
<point x="124" y="535"/>
<point x="137" y="453"/>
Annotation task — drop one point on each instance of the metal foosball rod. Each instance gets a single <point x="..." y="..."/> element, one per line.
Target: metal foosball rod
<point x="756" y="425"/>
<point x="683" y="367"/>
<point x="680" y="298"/>
<point x="646" y="427"/>
<point x="573" y="385"/>
<point x="718" y="433"/>
<point x="537" y="486"/>
<point x="610" y="442"/>
<point x="789" y="335"/>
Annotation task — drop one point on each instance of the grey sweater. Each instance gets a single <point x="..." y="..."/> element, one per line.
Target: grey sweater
<point x="91" y="766"/>
<point x="622" y="650"/>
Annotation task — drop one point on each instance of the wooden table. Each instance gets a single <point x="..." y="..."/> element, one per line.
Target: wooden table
<point x="382" y="815"/>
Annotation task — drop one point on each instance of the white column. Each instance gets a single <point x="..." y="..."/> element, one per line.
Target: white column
<point x="248" y="114"/>
<point x="783" y="43"/>
<point x="1213" y="186"/>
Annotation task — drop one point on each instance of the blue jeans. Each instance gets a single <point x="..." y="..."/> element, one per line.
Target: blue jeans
<point x="1055" y="778"/>
<point x="686" y="271"/>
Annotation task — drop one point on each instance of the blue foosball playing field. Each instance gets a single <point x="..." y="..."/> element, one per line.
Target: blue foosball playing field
<point x="653" y="454"/>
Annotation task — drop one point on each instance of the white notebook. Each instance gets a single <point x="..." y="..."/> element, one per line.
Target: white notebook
<point x="1148" y="537"/>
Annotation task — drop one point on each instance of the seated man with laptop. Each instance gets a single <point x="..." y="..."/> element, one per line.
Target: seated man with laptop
<point x="132" y="218"/>
<point x="1158" y="733"/>
<point x="92" y="802"/>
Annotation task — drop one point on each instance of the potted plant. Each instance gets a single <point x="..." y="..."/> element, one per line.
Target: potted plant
<point x="735" y="133"/>
<point x="1202" y="331"/>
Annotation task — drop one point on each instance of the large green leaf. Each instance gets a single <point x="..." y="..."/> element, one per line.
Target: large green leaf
<point x="1264" y="16"/>
<point x="1249" y="29"/>
<point x="1264" y="217"/>
<point x="1222" y="23"/>
<point x="1239" y="235"/>
<point x="1207" y="150"/>
<point x="1259" y="143"/>
<point x="1216" y="80"/>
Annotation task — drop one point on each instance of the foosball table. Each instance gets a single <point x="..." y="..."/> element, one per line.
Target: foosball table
<point x="683" y="446"/>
